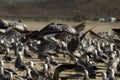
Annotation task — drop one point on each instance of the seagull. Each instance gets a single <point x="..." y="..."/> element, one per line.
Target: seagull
<point x="26" y="54"/>
<point x="100" y="52"/>
<point x="97" y="59"/>
<point x="91" y="70"/>
<point x="33" y="72"/>
<point x="53" y="61"/>
<point x="104" y="76"/>
<point x="5" y="75"/>
<point x="6" y="69"/>
<point x="86" y="75"/>
<point x="111" y="75"/>
<point x="28" y="75"/>
<point x="7" y="56"/>
<point x="19" y="64"/>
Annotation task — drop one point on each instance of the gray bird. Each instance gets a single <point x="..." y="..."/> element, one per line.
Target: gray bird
<point x="5" y="75"/>
<point x="28" y="75"/>
<point x="97" y="59"/>
<point x="32" y="71"/>
<point x="111" y="75"/>
<point x="104" y="76"/>
<point x="19" y="64"/>
<point x="86" y="75"/>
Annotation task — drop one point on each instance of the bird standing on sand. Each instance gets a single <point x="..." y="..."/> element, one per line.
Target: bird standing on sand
<point x="19" y="64"/>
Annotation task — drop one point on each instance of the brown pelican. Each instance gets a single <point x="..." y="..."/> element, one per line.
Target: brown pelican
<point x="84" y="34"/>
<point x="45" y="45"/>
<point x="11" y="36"/>
<point x="19" y="25"/>
<point x="74" y="43"/>
<point x="55" y="30"/>
<point x="52" y="29"/>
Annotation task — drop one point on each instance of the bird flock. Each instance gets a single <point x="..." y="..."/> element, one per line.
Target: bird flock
<point x="48" y="53"/>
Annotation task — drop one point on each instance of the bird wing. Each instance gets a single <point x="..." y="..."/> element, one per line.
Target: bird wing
<point x="84" y="34"/>
<point x="80" y="27"/>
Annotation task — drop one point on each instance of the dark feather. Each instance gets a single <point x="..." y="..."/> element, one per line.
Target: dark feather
<point x="45" y="47"/>
<point x="26" y="54"/>
<point x="94" y="34"/>
<point x="19" y="64"/>
<point x="7" y="58"/>
<point x="10" y="70"/>
<point x="84" y="34"/>
<point x="2" y="25"/>
<point x="80" y="27"/>
<point x="73" y="44"/>
<point x="117" y="31"/>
